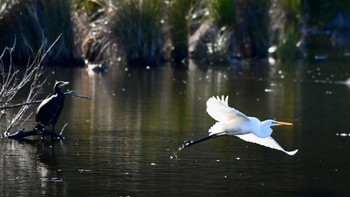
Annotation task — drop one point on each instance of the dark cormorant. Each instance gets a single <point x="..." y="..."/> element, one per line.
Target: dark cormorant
<point x="50" y="108"/>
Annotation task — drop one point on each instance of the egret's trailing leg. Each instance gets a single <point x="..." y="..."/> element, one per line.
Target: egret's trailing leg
<point x="192" y="142"/>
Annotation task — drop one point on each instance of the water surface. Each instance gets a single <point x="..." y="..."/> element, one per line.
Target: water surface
<point x="124" y="141"/>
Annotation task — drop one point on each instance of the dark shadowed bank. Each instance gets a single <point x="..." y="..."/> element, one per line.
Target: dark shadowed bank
<point x="151" y="32"/>
<point x="27" y="23"/>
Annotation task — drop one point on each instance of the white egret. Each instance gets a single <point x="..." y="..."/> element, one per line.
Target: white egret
<point x="232" y="122"/>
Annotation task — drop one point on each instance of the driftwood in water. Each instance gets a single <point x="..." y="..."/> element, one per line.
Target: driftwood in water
<point x="22" y="134"/>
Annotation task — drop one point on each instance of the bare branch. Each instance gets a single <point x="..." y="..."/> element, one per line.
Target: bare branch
<point x="12" y="82"/>
<point x="70" y="93"/>
<point x="64" y="126"/>
<point x="20" y="104"/>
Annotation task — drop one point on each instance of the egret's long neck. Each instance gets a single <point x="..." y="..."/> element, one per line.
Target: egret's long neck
<point x="258" y="128"/>
<point x="265" y="129"/>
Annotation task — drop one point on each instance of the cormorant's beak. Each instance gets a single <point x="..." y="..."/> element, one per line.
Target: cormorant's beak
<point x="283" y="123"/>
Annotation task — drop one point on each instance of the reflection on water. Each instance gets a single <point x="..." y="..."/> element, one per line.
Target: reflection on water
<point x="124" y="141"/>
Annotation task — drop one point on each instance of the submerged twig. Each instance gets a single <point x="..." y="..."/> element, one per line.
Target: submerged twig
<point x="64" y="126"/>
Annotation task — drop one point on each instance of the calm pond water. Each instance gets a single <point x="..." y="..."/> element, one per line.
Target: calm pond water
<point x="124" y="141"/>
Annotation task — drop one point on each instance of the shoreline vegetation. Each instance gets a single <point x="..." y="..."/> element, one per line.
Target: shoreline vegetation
<point x="144" y="33"/>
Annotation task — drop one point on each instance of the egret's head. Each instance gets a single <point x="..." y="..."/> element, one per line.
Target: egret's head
<point x="59" y="84"/>
<point x="267" y="124"/>
<point x="270" y="123"/>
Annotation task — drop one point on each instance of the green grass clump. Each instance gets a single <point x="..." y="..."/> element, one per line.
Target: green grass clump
<point x="222" y="12"/>
<point x="137" y="27"/>
<point x="285" y="29"/>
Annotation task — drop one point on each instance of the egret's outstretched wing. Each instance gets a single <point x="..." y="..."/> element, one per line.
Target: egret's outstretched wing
<point x="218" y="109"/>
<point x="268" y="142"/>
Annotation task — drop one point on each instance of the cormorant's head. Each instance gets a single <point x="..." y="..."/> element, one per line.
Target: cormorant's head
<point x="58" y="85"/>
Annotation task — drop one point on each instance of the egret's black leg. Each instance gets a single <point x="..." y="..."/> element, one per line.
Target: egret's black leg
<point x="192" y="142"/>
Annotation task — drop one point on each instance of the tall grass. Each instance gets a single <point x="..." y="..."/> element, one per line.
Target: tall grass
<point x="137" y="27"/>
<point x="145" y="32"/>
<point x="211" y="31"/>
<point x="223" y="12"/>
<point x="285" y="28"/>
<point x="178" y="22"/>
<point x="252" y="28"/>
<point x="29" y="21"/>
<point x="92" y="27"/>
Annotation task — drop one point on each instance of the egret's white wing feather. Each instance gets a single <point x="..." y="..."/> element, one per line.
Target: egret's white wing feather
<point x="268" y="142"/>
<point x="218" y="109"/>
<point x="216" y="128"/>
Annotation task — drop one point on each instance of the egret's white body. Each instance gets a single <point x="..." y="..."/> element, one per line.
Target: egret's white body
<point x="232" y="122"/>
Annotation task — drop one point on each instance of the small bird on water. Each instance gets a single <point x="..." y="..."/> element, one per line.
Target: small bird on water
<point x="232" y="122"/>
<point x="50" y="108"/>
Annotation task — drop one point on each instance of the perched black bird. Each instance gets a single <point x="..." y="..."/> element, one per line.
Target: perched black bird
<point x="50" y="108"/>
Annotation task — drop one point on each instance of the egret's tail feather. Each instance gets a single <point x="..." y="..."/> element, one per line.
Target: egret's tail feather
<point x="192" y="142"/>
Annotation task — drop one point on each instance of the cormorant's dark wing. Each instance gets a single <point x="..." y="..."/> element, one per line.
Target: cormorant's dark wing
<point x="48" y="110"/>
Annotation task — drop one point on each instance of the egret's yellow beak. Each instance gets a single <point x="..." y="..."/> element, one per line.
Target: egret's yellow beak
<point x="283" y="123"/>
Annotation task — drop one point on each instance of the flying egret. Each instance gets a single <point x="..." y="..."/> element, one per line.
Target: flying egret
<point x="232" y="122"/>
